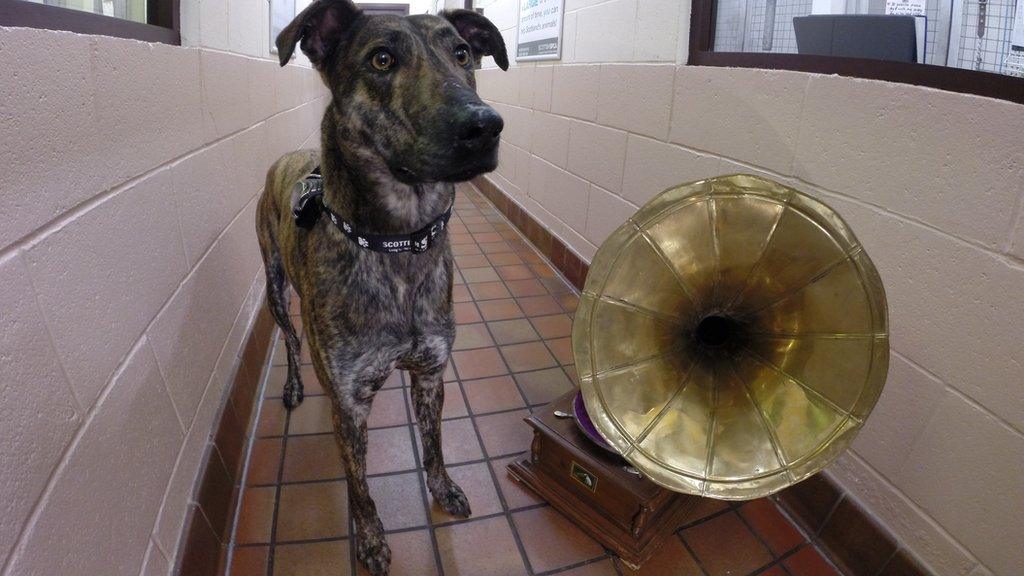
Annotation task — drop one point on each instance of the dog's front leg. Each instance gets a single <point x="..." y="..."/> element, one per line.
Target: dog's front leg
<point x="349" y="417"/>
<point x="428" y="399"/>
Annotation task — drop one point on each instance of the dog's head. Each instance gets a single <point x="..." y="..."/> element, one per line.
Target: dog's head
<point x="405" y="85"/>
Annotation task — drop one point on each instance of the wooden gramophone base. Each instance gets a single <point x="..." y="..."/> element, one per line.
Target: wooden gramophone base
<point x="627" y="514"/>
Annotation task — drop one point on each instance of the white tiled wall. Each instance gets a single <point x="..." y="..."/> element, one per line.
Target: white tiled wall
<point x="129" y="273"/>
<point x="932" y="183"/>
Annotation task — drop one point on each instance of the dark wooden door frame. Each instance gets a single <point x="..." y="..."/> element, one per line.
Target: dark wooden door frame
<point x="163" y="15"/>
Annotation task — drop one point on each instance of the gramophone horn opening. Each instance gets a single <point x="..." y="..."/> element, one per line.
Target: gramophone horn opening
<point x="718" y="332"/>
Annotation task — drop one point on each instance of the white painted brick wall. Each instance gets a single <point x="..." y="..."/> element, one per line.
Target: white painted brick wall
<point x="129" y="274"/>
<point x="931" y="182"/>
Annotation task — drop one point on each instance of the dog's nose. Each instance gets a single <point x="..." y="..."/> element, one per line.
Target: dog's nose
<point x="482" y="129"/>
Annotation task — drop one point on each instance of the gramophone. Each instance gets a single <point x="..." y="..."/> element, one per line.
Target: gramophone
<point x="731" y="339"/>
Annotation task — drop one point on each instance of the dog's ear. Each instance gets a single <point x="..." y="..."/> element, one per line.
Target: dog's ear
<point x="482" y="36"/>
<point x="319" y="27"/>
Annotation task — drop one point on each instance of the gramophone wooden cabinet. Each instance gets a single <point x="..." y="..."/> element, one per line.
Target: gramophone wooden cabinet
<point x="629" y="515"/>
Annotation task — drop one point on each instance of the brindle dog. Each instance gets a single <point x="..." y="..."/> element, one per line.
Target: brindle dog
<point x="404" y="123"/>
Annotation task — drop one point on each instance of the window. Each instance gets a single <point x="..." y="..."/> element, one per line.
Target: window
<point x="971" y="46"/>
<point x="148" y="20"/>
<point x="381" y="8"/>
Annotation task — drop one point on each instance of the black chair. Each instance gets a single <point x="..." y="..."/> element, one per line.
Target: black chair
<point x="857" y="36"/>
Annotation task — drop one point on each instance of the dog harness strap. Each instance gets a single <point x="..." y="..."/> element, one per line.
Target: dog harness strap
<point x="308" y="203"/>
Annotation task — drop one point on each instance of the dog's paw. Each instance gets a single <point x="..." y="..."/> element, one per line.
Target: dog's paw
<point x="374" y="554"/>
<point x="452" y="500"/>
<point x="292" y="395"/>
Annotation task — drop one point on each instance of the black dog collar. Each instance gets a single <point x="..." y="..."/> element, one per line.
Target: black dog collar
<point x="308" y="203"/>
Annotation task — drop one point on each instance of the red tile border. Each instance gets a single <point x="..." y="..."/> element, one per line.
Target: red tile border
<point x="572" y="267"/>
<point x="208" y="526"/>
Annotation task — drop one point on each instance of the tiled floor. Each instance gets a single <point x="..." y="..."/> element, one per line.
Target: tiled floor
<point x="511" y="355"/>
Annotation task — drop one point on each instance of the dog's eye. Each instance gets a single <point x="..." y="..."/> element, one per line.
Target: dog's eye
<point x="462" y="55"/>
<point x="382" y="60"/>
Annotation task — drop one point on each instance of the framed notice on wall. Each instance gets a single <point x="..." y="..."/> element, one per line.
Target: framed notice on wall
<point x="540" y="30"/>
<point x="281" y="13"/>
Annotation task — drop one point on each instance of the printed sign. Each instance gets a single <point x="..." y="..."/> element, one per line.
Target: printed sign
<point x="1017" y="36"/>
<point x="905" y="7"/>
<point x="540" y="30"/>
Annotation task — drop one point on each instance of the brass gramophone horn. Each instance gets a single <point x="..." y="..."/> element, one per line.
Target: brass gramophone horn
<point x="731" y="337"/>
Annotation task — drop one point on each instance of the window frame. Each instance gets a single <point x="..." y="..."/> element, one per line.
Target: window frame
<point x="163" y="18"/>
<point x="989" y="84"/>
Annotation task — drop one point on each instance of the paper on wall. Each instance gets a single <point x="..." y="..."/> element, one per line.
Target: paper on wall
<point x="905" y="7"/>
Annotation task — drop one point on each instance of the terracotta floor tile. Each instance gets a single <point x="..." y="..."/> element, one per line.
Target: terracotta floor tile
<point x="528" y="287"/>
<point x="513" y="331"/>
<point x="479" y="548"/>
<point x="454" y="403"/>
<point x="479" y="227"/>
<point x="602" y="568"/>
<point x="489" y="290"/>
<point x="527" y="356"/>
<point x="264" y="461"/>
<point x="554" y="326"/>
<point x="469" y="336"/>
<point x="399" y="500"/>
<point x="256" y="515"/>
<point x="516" y="495"/>
<point x="481" y="363"/>
<point x="493" y="394"/>
<point x="314" y="559"/>
<point x="272" y="419"/>
<point x="495" y="247"/>
<point x="389" y="450"/>
<point x="466" y="313"/>
<point x="473" y="275"/>
<point x="312" y="511"/>
<point x="542" y="270"/>
<point x="505" y="433"/>
<point x="539" y="305"/>
<point x="724" y="545"/>
<point x="551" y="541"/>
<point x="458" y="442"/>
<point x="672" y="558"/>
<point x="530" y="257"/>
<point x="487" y="237"/>
<point x="556" y="285"/>
<point x="543" y="386"/>
<point x="388" y="409"/>
<point x="809" y="562"/>
<point x="394" y="380"/>
<point x="461" y="238"/>
<point x="472" y="261"/>
<point x="504" y="258"/>
<point x="705" y="507"/>
<point x="569" y="302"/>
<point x="499" y="309"/>
<point x="278" y="375"/>
<point x="313" y="416"/>
<point x="250" y="561"/>
<point x="562" y="349"/>
<point x="412" y="554"/>
<point x="475" y="480"/>
<point x="312" y="458"/>
<point x="280" y="356"/>
<point x="516" y="272"/>
<point x="771" y="525"/>
<point x="774" y="571"/>
<point x="466" y="250"/>
<point x="449" y="372"/>
<point x="461" y="294"/>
